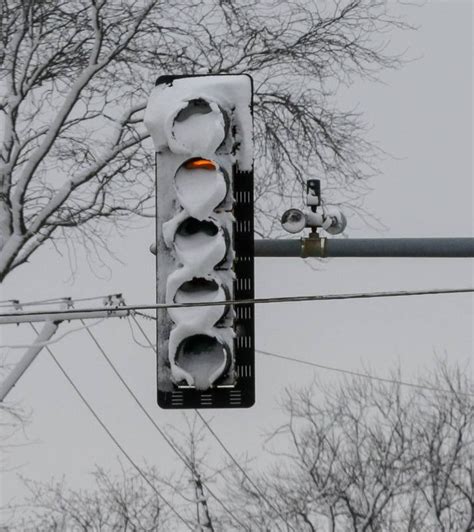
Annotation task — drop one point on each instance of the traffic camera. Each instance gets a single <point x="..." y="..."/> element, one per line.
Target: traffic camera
<point x="331" y="219"/>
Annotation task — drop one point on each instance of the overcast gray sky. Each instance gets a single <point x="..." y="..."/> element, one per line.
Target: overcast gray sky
<point x="422" y="114"/>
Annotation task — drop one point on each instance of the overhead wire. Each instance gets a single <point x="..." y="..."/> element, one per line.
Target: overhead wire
<point x="135" y="339"/>
<point x="136" y="311"/>
<point x="150" y="343"/>
<point x="266" y="353"/>
<point x="363" y="375"/>
<point x="242" y="470"/>
<point x="153" y="347"/>
<point x="144" y="315"/>
<point x="144" y="334"/>
<point x="51" y="342"/>
<point x="342" y="370"/>
<point x="221" y="443"/>
<point x="157" y="427"/>
<point x="256" y="301"/>
<point x="112" y="437"/>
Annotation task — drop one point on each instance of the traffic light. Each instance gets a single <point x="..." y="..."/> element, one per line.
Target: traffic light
<point x="201" y="127"/>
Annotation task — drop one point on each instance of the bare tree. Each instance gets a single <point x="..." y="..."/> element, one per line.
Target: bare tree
<point x="76" y="75"/>
<point x="357" y="456"/>
<point x="190" y="483"/>
<point x="446" y="443"/>
<point x="367" y="456"/>
<point x="130" y="501"/>
<point x="115" y="503"/>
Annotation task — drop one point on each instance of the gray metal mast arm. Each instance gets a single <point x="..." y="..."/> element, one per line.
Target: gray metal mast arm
<point x="366" y="247"/>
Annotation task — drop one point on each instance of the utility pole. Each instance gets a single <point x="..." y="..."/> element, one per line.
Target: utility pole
<point x="51" y="324"/>
<point x="202" y="509"/>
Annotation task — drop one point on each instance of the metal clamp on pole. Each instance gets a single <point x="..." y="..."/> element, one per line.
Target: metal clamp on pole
<point x="313" y="246"/>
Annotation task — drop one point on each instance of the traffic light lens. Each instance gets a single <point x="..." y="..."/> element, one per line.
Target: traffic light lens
<point x="204" y="358"/>
<point x="199" y="290"/>
<point x="191" y="227"/>
<point x="201" y="187"/>
<point x="198" y="127"/>
<point x="203" y="164"/>
<point x="200" y="241"/>
<point x="194" y="107"/>
<point x="196" y="289"/>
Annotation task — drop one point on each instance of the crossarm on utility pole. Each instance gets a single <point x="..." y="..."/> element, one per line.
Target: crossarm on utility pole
<point x="47" y="332"/>
<point x="69" y="315"/>
<point x="366" y="247"/>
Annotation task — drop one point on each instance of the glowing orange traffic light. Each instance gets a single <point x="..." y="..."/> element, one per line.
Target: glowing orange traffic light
<point x="201" y="164"/>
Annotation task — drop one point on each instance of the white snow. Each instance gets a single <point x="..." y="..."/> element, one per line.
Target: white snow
<point x="200" y="191"/>
<point x="229" y="93"/>
<point x="190" y="118"/>
<point x="198" y="134"/>
<point x="204" y="364"/>
<point x="170" y="227"/>
<point x="197" y="318"/>
<point x="201" y="250"/>
<point x="198" y="251"/>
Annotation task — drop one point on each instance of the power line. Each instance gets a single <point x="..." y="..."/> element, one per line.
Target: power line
<point x="112" y="437"/>
<point x="144" y="315"/>
<point x="157" y="427"/>
<point x="344" y="371"/>
<point x="150" y="343"/>
<point x="341" y="370"/>
<point x="221" y="443"/>
<point x="50" y="342"/>
<point x="229" y="454"/>
<point x="364" y="375"/>
<point x="256" y="301"/>
<point x="207" y="487"/>
<point x="133" y="395"/>
<point x="135" y="339"/>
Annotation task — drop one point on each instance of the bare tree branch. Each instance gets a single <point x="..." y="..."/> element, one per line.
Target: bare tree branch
<point x="76" y="74"/>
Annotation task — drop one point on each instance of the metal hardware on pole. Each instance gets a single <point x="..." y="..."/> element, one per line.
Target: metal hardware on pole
<point x="79" y="314"/>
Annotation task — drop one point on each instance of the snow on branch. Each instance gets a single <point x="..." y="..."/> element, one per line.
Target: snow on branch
<point x="76" y="76"/>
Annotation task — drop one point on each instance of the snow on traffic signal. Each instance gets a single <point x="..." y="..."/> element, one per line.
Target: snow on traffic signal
<point x="201" y="127"/>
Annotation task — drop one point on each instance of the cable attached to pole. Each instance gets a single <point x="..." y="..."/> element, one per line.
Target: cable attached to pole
<point x="124" y="310"/>
<point x="112" y="437"/>
<point x="363" y="375"/>
<point x="157" y="427"/>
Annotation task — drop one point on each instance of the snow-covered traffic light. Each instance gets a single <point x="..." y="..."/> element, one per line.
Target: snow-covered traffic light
<point x="201" y="127"/>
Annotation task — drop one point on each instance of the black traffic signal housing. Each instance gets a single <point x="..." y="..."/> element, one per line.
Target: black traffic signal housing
<point x="202" y="130"/>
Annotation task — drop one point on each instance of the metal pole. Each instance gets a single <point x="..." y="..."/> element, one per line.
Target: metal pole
<point x="278" y="248"/>
<point x="44" y="336"/>
<point x="366" y="247"/>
